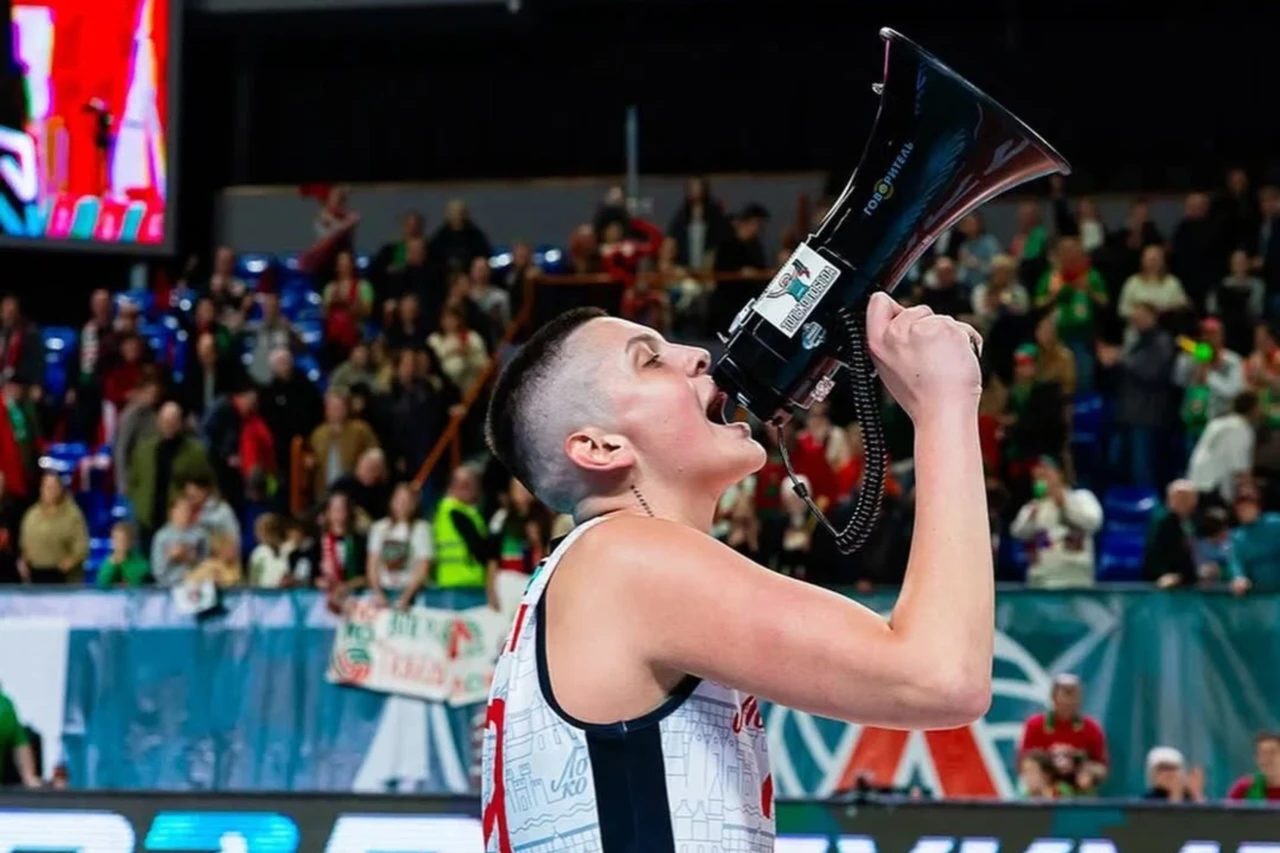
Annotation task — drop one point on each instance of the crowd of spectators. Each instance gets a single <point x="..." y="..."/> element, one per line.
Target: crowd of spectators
<point x="1127" y="417"/>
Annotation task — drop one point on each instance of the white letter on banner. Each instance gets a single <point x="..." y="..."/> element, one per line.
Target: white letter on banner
<point x="1097" y="845"/>
<point x="806" y="844"/>
<point x="81" y="832"/>
<point x="406" y="834"/>
<point x="1051" y="845"/>
<point x="1258" y="847"/>
<point x="934" y="844"/>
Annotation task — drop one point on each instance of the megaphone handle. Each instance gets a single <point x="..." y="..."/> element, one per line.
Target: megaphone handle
<point x="866" y="407"/>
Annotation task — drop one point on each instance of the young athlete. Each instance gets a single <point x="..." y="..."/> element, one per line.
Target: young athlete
<point x="623" y="714"/>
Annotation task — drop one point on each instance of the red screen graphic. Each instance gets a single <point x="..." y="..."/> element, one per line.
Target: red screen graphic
<point x="88" y="145"/>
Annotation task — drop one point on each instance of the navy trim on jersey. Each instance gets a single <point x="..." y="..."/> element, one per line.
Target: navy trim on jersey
<point x="623" y="728"/>
<point x="631" y="792"/>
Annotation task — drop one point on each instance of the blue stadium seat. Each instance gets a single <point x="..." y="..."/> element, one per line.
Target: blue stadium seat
<point x="501" y="258"/>
<point x="178" y="358"/>
<point x="362" y="261"/>
<point x="1012" y="558"/>
<point x="307" y="365"/>
<point x="251" y="265"/>
<point x="161" y="339"/>
<point x="120" y="510"/>
<point x="59" y="347"/>
<point x="1086" y="419"/>
<point x="312" y="333"/>
<point x="551" y="259"/>
<point x="1120" y="556"/>
<point x="1129" y="508"/>
<point x="64" y="457"/>
<point x="99" y="553"/>
<point x="144" y="299"/>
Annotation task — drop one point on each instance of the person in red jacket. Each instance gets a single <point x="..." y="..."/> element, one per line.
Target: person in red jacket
<point x="622" y="252"/>
<point x="1264" y="785"/>
<point x="1069" y="736"/>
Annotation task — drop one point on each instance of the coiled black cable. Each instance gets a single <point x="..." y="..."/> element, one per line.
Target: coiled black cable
<point x="866" y="407"/>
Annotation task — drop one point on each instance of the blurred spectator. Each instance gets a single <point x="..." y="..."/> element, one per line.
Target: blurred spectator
<point x="1078" y="292"/>
<point x="459" y="349"/>
<point x="1030" y="244"/>
<point x="10" y="519"/>
<point x="522" y="529"/>
<point x="54" y="538"/>
<point x="24" y="423"/>
<point x="945" y="296"/>
<point x="647" y="304"/>
<point x="367" y="488"/>
<point x="1000" y="294"/>
<point x="1054" y="362"/>
<point x="1211" y="376"/>
<point x="356" y="370"/>
<point x="1238" y="301"/>
<point x="976" y="252"/>
<point x="179" y="546"/>
<point x="1144" y="394"/>
<point x="268" y="334"/>
<point x="1225" y="449"/>
<point x="337" y="443"/>
<point x="1125" y="247"/>
<point x="419" y="405"/>
<point x="400" y="551"/>
<point x="1193" y="260"/>
<point x="126" y="567"/>
<point x="159" y="465"/>
<point x="1235" y="216"/>
<point x="626" y="241"/>
<point x="462" y="546"/>
<point x="269" y="561"/>
<point x="400" y="265"/>
<point x="1058" y="526"/>
<point x="1172" y="558"/>
<point x="138" y="421"/>
<point x="341" y="559"/>
<point x="493" y="302"/>
<point x="513" y="277"/>
<point x="21" y="346"/>
<point x="218" y="519"/>
<point x="1064" y="731"/>
<point x="1033" y="421"/>
<point x="741" y="251"/>
<point x="1169" y="778"/>
<point x="406" y="330"/>
<point x="458" y="241"/>
<point x="95" y="348"/>
<point x="697" y="227"/>
<point x="125" y="371"/>
<point x="1253" y="560"/>
<point x="348" y="303"/>
<point x="1267" y="260"/>
<point x="1037" y="778"/>
<point x="1263" y="785"/>
<point x="291" y="406"/>
<point x="229" y="294"/>
<point x="1153" y="285"/>
<point x="208" y="378"/>
<point x="204" y="321"/>
<point x="242" y="448"/>
<point x="17" y="758"/>
<point x="335" y="229"/>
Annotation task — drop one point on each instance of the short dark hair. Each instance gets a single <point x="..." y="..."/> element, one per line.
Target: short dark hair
<point x="511" y="393"/>
<point x="1244" y="402"/>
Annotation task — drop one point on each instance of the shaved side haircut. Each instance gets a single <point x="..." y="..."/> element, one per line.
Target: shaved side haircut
<point x="543" y="395"/>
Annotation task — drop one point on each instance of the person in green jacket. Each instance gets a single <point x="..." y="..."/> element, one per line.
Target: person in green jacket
<point x="15" y="747"/>
<point x="1078" y="291"/>
<point x="158" y="467"/>
<point x="126" y="567"/>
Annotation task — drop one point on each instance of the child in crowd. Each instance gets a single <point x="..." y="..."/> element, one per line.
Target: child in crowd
<point x="126" y="567"/>
<point x="269" y="561"/>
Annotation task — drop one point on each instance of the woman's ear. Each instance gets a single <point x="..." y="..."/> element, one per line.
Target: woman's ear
<point x="599" y="452"/>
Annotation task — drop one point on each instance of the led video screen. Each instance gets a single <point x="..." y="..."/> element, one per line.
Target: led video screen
<point x="87" y="124"/>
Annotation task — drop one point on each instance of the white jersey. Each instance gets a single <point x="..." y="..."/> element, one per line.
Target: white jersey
<point x="691" y="775"/>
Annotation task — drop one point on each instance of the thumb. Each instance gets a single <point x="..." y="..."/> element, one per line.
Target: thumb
<point x="880" y="311"/>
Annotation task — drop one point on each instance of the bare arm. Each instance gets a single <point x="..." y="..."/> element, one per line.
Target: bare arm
<point x="25" y="758"/>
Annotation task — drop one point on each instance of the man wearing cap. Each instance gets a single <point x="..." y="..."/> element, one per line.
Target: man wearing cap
<point x="1169" y="778"/>
<point x="1063" y="731"/>
<point x="1057" y="525"/>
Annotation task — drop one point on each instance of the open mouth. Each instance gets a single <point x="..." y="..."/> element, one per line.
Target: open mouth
<point x="715" y="408"/>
